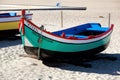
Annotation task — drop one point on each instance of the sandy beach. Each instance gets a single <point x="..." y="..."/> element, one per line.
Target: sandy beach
<point x="16" y="65"/>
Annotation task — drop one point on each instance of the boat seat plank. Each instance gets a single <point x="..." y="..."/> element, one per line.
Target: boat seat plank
<point x="98" y="29"/>
<point x="77" y="36"/>
<point x="95" y="25"/>
<point x="12" y="13"/>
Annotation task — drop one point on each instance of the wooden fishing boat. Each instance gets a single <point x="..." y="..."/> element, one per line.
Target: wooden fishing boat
<point x="9" y="23"/>
<point x="82" y="40"/>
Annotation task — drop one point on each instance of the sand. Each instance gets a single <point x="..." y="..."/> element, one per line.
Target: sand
<point x="16" y="65"/>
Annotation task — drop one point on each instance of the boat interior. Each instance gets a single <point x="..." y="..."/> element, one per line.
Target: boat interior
<point x="82" y="31"/>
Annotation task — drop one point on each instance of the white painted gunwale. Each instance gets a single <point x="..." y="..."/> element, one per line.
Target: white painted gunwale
<point x="64" y="40"/>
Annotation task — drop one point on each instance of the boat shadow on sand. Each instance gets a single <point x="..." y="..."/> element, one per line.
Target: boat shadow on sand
<point x="10" y="41"/>
<point x="103" y="63"/>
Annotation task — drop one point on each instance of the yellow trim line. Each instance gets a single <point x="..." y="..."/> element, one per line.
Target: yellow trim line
<point x="9" y="25"/>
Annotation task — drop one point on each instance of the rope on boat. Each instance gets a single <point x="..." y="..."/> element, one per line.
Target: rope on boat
<point x="39" y="51"/>
<point x="39" y="44"/>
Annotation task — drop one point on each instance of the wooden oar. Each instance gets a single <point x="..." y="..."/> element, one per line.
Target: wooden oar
<point x="47" y="8"/>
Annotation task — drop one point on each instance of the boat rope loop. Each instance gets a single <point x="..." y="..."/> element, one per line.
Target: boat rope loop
<point x="22" y="21"/>
<point x="21" y="26"/>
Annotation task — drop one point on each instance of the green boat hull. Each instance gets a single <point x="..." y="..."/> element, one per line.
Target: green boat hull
<point x="46" y="54"/>
<point x="52" y="45"/>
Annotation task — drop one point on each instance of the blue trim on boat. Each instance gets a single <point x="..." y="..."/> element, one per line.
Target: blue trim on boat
<point x="8" y="14"/>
